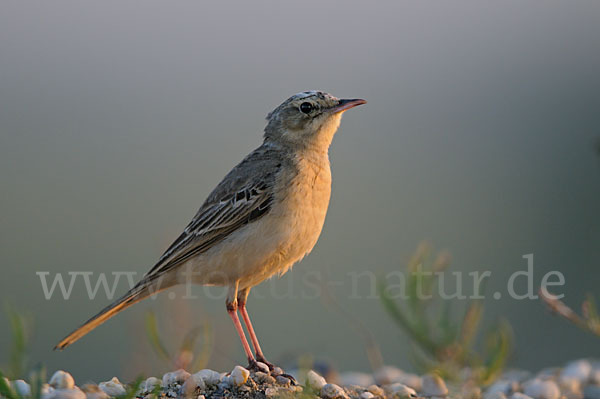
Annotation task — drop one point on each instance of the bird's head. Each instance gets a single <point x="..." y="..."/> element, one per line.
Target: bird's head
<point x="308" y="119"/>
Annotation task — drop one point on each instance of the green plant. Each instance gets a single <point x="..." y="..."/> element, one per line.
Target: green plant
<point x="186" y="356"/>
<point x="443" y="343"/>
<point x="20" y="331"/>
<point x="37" y="378"/>
<point x="588" y="321"/>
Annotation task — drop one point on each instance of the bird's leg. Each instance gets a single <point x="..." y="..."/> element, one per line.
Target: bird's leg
<point x="241" y="299"/>
<point x="232" y="306"/>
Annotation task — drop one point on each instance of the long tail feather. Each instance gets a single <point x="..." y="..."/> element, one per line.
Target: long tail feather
<point x="133" y="296"/>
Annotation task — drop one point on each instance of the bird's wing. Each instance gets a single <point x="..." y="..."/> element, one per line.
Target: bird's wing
<point x="244" y="195"/>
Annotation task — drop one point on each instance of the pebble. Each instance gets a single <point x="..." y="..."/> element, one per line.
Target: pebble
<point x="113" y="387"/>
<point x="271" y="392"/>
<point x="263" y="367"/>
<point x="72" y="393"/>
<point x="591" y="392"/>
<point x="93" y="391"/>
<point x="62" y="380"/>
<point x="239" y="375"/>
<point x="388" y="375"/>
<point x="401" y="391"/>
<point x="276" y="371"/>
<point x="281" y="380"/>
<point x="150" y="384"/>
<point x="541" y="389"/>
<point x="175" y="377"/>
<point x="579" y="370"/>
<point x="411" y="380"/>
<point x="354" y="378"/>
<point x="209" y="376"/>
<point x="375" y="390"/>
<point x="519" y="395"/>
<point x="333" y="391"/>
<point x="190" y="385"/>
<point x="595" y="376"/>
<point x="433" y="385"/>
<point x="263" y="378"/>
<point x="570" y="387"/>
<point x="315" y="381"/>
<point x="470" y="391"/>
<point x="366" y="395"/>
<point x="505" y="386"/>
<point x="46" y="389"/>
<point x="495" y="395"/>
<point x="21" y="387"/>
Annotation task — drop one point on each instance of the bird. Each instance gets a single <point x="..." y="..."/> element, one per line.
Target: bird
<point x="264" y="216"/>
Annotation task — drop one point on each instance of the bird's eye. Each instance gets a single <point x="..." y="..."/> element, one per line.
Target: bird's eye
<point x="306" y="107"/>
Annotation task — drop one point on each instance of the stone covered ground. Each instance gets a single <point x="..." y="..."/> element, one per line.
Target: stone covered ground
<point x="577" y="380"/>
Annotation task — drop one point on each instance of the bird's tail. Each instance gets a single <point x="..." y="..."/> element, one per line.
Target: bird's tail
<point x="141" y="291"/>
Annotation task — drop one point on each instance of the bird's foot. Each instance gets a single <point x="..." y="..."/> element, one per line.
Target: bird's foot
<point x="262" y="359"/>
<point x="275" y="371"/>
<point x="254" y="365"/>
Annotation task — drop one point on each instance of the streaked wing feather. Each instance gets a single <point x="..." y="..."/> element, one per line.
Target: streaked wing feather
<point x="238" y="200"/>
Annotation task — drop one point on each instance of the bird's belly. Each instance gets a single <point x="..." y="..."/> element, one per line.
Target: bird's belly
<point x="272" y="244"/>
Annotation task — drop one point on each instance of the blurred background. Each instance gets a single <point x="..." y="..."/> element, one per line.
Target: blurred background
<point x="480" y="136"/>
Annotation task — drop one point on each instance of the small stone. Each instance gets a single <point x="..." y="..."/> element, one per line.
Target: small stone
<point x="271" y="392"/>
<point x="366" y="395"/>
<point x="263" y="378"/>
<point x="519" y="395"/>
<point x="401" y="391"/>
<point x="46" y="389"/>
<point x="548" y="372"/>
<point x="495" y="395"/>
<point x="411" y="380"/>
<point x="470" y="391"/>
<point x="541" y="389"/>
<point x="333" y="391"/>
<point x="375" y="390"/>
<point x="505" y="386"/>
<point x="62" y="380"/>
<point x="433" y="385"/>
<point x="21" y="387"/>
<point x="263" y="367"/>
<point x="93" y="391"/>
<point x="570" y="387"/>
<point x="239" y="375"/>
<point x="591" y="392"/>
<point x="113" y="387"/>
<point x="175" y="377"/>
<point x="191" y="384"/>
<point x="276" y="371"/>
<point x="388" y="375"/>
<point x="354" y="378"/>
<point x="209" y="376"/>
<point x="150" y="384"/>
<point x="315" y="381"/>
<point x="281" y="380"/>
<point x="595" y="377"/>
<point x="579" y="370"/>
<point x="72" y="393"/>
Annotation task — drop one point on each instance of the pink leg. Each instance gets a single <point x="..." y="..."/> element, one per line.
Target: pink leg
<point x="241" y="299"/>
<point x="232" y="306"/>
<point x="240" y="331"/>
<point x="255" y="344"/>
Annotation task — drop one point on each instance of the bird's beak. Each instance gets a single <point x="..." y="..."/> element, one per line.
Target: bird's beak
<point x="346" y="104"/>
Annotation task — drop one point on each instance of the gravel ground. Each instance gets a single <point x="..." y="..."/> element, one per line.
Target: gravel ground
<point x="577" y="380"/>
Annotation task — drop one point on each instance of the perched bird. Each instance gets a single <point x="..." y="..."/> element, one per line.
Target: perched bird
<point x="263" y="217"/>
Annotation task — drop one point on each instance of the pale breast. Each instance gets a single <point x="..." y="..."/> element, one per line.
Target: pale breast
<point x="272" y="244"/>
